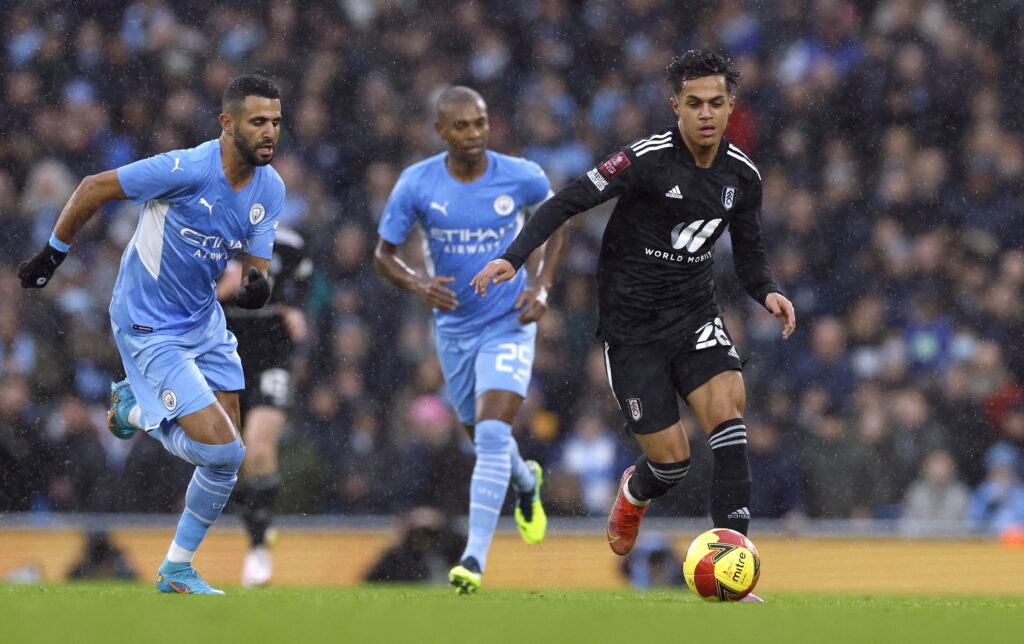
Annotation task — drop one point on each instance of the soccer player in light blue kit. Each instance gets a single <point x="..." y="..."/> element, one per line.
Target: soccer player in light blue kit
<point x="470" y="203"/>
<point x="202" y="206"/>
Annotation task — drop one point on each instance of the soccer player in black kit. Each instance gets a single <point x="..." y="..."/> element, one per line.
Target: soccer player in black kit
<point x="677" y="192"/>
<point x="266" y="342"/>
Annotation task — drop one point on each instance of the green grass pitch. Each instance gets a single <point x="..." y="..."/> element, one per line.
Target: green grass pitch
<point x="110" y="612"/>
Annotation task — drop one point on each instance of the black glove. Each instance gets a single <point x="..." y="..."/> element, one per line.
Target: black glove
<point x="254" y="294"/>
<point x="36" y="272"/>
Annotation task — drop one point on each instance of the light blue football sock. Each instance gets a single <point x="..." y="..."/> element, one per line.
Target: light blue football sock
<point x="208" y="491"/>
<point x="488" y="486"/>
<point x="522" y="476"/>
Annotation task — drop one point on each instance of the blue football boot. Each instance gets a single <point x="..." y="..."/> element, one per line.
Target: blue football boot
<point x="186" y="580"/>
<point x="122" y="400"/>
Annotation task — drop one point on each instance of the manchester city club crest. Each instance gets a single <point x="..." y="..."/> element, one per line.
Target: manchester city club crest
<point x="504" y="205"/>
<point x="728" y="196"/>
<point x="169" y="399"/>
<point x="257" y="213"/>
<point x="635" y="410"/>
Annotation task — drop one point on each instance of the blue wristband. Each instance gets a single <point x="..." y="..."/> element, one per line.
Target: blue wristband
<point x="58" y="244"/>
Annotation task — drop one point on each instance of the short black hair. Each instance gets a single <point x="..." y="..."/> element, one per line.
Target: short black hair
<point x="457" y="95"/>
<point x="697" y="63"/>
<point x="248" y="85"/>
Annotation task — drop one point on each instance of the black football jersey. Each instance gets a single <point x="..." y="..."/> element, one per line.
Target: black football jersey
<point x="655" y="268"/>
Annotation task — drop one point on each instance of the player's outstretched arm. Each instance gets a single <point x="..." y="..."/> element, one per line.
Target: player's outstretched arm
<point x="431" y="289"/>
<point x="783" y="310"/>
<point x="495" y="272"/>
<point x="92" y="192"/>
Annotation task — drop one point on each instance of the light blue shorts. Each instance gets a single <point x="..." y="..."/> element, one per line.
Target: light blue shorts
<point x="176" y="375"/>
<point x="499" y="357"/>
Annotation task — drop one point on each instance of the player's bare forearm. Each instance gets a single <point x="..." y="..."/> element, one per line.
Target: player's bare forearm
<point x="260" y="263"/>
<point x="541" y="267"/>
<point x="390" y="266"/>
<point x="543" y="263"/>
<point x="229" y="280"/>
<point x="92" y="192"/>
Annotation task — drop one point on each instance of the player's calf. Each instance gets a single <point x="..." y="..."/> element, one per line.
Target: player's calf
<point x="730" y="483"/>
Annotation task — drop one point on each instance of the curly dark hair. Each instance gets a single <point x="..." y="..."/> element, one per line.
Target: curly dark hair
<point x="697" y="63"/>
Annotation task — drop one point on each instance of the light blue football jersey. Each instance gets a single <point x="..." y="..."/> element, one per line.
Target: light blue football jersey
<point x="192" y="223"/>
<point x="466" y="225"/>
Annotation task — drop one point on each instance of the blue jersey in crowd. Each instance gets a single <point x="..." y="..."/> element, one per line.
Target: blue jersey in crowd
<point x="192" y="223"/>
<point x="466" y="225"/>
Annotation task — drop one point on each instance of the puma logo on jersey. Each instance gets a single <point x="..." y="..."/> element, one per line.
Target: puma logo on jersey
<point x="437" y="206"/>
<point x="674" y="193"/>
<point x="177" y="165"/>
<point x="209" y="206"/>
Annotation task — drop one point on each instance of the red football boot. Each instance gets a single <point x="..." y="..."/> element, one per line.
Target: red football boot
<point x="624" y="521"/>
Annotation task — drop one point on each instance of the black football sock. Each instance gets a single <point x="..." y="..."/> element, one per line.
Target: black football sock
<point x="526" y="505"/>
<point x="730" y="481"/>
<point x="651" y="480"/>
<point x="258" y="505"/>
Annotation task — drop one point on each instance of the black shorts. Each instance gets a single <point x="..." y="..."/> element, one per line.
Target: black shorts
<point x="645" y="378"/>
<point x="266" y="355"/>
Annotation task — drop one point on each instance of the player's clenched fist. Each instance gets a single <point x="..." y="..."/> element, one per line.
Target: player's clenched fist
<point x="496" y="272"/>
<point x="37" y="271"/>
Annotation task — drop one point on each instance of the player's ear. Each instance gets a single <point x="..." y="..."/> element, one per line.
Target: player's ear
<point x="675" y="104"/>
<point x="226" y="123"/>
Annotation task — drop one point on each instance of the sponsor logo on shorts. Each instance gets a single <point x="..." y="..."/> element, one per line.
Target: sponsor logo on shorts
<point x="169" y="398"/>
<point x="635" y="409"/>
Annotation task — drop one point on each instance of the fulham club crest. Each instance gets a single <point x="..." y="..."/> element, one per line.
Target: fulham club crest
<point x="728" y="196"/>
<point x="635" y="410"/>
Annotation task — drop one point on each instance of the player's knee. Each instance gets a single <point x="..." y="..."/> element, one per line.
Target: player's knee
<point x="492" y="437"/>
<point x="227" y="457"/>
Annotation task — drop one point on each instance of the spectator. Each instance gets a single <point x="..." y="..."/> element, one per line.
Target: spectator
<point x="937" y="499"/>
<point x="998" y="503"/>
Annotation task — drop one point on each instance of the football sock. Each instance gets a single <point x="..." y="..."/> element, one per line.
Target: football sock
<point x="651" y="480"/>
<point x="209" y="489"/>
<point x="256" y="497"/>
<point x="488" y="487"/>
<point x="730" y="481"/>
<point x="522" y="480"/>
<point x="522" y="476"/>
<point x="470" y="564"/>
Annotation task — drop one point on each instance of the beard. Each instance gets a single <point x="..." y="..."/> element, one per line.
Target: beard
<point x="249" y="152"/>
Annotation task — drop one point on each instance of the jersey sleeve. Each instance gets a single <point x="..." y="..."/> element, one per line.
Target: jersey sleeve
<point x="749" y="256"/>
<point x="537" y="186"/>
<point x="610" y="179"/>
<point x="399" y="212"/>
<point x="163" y="176"/>
<point x="261" y="241"/>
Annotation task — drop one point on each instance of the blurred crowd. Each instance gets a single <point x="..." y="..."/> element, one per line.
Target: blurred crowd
<point x="892" y="155"/>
